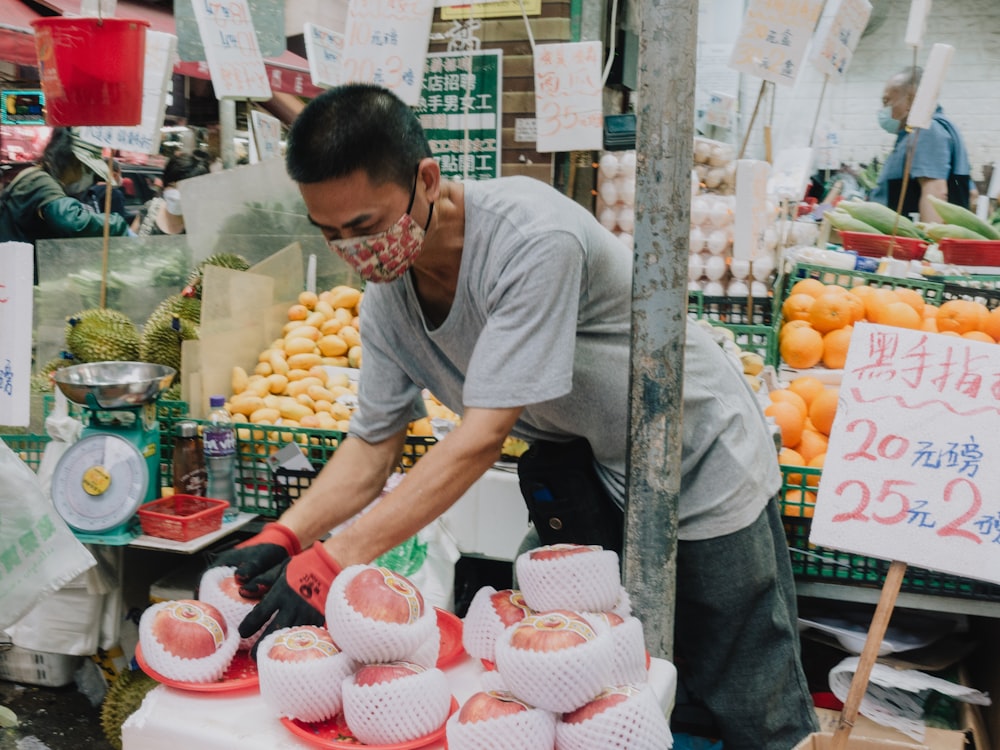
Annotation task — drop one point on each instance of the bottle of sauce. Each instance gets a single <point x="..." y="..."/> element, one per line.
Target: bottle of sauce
<point x="190" y="476"/>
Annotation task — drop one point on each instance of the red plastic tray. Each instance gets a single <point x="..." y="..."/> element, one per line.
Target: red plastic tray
<point x="877" y="245"/>
<point x="240" y="675"/>
<point x="334" y="734"/>
<point x="970" y="252"/>
<point x="182" y="517"/>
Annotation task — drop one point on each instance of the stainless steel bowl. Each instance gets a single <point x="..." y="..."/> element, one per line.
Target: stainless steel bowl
<point x="113" y="385"/>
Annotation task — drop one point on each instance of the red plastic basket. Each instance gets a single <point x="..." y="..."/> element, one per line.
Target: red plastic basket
<point x="877" y="245"/>
<point x="182" y="517"/>
<point x="970" y="252"/>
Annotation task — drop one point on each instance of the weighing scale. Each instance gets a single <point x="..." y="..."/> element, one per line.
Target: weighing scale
<point x="101" y="480"/>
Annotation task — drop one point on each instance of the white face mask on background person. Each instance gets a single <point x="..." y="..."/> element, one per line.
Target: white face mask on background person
<point x="887" y="122"/>
<point x="81" y="185"/>
<point x="172" y="199"/>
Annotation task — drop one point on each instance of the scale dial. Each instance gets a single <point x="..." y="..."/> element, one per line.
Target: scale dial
<point x="99" y="483"/>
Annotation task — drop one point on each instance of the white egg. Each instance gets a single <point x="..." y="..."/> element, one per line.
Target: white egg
<point x="626" y="191"/>
<point x="758" y="289"/>
<point x="737" y="288"/>
<point x="695" y="183"/>
<point x="714" y="177"/>
<point x="609" y="192"/>
<point x="608" y="218"/>
<point x="696" y="266"/>
<point x="702" y="150"/>
<point x="720" y="214"/>
<point x="609" y="166"/>
<point x="697" y="240"/>
<point x="694" y="286"/>
<point x="717" y="242"/>
<point x="715" y="267"/>
<point x="626" y="239"/>
<point x="739" y="268"/>
<point x="626" y="164"/>
<point x="762" y="267"/>
<point x="699" y="210"/>
<point x="713" y="289"/>
<point x="626" y="218"/>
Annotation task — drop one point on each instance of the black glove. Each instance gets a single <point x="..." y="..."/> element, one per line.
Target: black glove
<point x="258" y="554"/>
<point x="296" y="593"/>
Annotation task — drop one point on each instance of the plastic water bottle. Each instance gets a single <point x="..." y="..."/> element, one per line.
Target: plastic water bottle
<point x="219" y="439"/>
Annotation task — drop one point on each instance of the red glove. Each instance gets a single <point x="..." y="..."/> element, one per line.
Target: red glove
<point x="296" y="593"/>
<point x="258" y="554"/>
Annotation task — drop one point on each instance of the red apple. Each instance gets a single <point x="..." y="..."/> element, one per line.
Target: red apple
<point x="509" y="606"/>
<point x="490" y="704"/>
<point x="189" y="628"/>
<point x="610" y="697"/>
<point x="373" y="674"/>
<point x="611" y="618"/>
<point x="381" y="594"/>
<point x="302" y="643"/>
<point x="554" y="551"/>
<point x="231" y="588"/>
<point x="551" y="631"/>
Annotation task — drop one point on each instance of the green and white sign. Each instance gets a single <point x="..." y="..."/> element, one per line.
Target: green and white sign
<point x="460" y="112"/>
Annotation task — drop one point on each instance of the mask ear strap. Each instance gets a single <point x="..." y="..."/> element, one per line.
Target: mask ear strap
<point x="430" y="213"/>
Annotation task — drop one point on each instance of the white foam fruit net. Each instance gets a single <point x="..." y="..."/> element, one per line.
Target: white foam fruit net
<point x="637" y="723"/>
<point x="589" y="580"/>
<point x="306" y="689"/>
<point x="482" y="624"/>
<point x="211" y="590"/>
<point x="630" y="649"/>
<point x="533" y="729"/>
<point x="427" y="654"/>
<point x="368" y="640"/>
<point x="559" y="680"/>
<point x="399" y="710"/>
<point x="183" y="669"/>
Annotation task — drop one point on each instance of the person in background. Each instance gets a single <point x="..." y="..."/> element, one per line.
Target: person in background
<point x="512" y="304"/>
<point x="940" y="164"/>
<point x="164" y="214"/>
<point x="42" y="202"/>
<point x="95" y="195"/>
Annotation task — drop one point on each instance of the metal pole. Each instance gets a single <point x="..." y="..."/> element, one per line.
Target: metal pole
<point x="665" y="142"/>
<point x="227" y="132"/>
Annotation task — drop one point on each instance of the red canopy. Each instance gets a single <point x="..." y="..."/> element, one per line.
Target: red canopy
<point x="17" y="38"/>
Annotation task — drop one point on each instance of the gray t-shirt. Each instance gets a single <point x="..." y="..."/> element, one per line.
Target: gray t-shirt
<point x="536" y="266"/>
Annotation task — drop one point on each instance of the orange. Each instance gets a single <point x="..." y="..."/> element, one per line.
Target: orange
<point x="791" y="325"/>
<point x="796" y="306"/>
<point x="816" y="462"/>
<point x="791" y="397"/>
<point x="802" y="348"/>
<point x="807" y="387"/>
<point x="789" y="457"/>
<point x="813" y="287"/>
<point x="798" y="504"/>
<point x="830" y="312"/>
<point x="979" y="336"/>
<point x="911" y="297"/>
<point x="992" y="323"/>
<point x="958" y="316"/>
<point x="811" y="444"/>
<point x="823" y="409"/>
<point x="929" y="324"/>
<point x="901" y="315"/>
<point x="789" y="419"/>
<point x="857" y="306"/>
<point x="950" y="333"/>
<point x="861" y="291"/>
<point x="876" y="302"/>
<point x="835" y="345"/>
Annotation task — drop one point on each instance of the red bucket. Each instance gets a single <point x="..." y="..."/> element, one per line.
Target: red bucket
<point x="91" y="69"/>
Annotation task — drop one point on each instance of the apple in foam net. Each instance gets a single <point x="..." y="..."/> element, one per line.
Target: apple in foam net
<point x="490" y="704"/>
<point x="373" y="674"/>
<point x="510" y="606"/>
<point x="231" y="588"/>
<point x="302" y="643"/>
<point x="607" y="699"/>
<point x="555" y="551"/>
<point x="551" y="631"/>
<point x="380" y="594"/>
<point x="189" y="628"/>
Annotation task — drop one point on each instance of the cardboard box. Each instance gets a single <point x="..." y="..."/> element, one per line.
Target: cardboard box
<point x="866" y="730"/>
<point x="824" y="741"/>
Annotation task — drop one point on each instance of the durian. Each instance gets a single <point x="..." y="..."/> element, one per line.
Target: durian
<point x="124" y="696"/>
<point x="223" y="260"/>
<point x="102" y="335"/>
<point x="188" y="308"/>
<point x="161" y="339"/>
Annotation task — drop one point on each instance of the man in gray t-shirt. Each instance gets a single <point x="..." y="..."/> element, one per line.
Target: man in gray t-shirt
<point x="512" y="305"/>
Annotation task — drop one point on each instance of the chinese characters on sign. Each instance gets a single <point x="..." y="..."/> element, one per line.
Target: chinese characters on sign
<point x="325" y="49"/>
<point x="459" y="110"/>
<point x="568" y="105"/>
<point x="386" y="42"/>
<point x="234" y="59"/>
<point x="773" y="38"/>
<point x="912" y="465"/>
<point x="16" y="277"/>
<point x="838" y="36"/>
<point x="266" y="137"/>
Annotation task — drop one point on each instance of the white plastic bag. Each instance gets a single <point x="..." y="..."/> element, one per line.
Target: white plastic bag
<point x="64" y="431"/>
<point x="38" y="552"/>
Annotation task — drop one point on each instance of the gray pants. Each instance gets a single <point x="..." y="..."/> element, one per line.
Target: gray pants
<point x="736" y="642"/>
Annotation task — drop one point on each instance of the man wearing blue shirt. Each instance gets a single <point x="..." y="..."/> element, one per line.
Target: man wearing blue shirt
<point x="940" y="165"/>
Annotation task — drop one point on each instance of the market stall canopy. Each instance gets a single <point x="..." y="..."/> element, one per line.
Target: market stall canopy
<point x="287" y="73"/>
<point x="17" y="38"/>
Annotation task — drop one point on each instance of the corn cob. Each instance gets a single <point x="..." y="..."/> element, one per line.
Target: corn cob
<point x="843" y="221"/>
<point x="938" y="232"/>
<point x="952" y="214"/>
<point x="883" y="218"/>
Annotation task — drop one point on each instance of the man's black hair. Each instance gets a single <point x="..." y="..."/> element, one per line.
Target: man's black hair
<point x="58" y="157"/>
<point x="356" y="127"/>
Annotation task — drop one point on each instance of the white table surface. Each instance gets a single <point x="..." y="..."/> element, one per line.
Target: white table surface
<point x="171" y="719"/>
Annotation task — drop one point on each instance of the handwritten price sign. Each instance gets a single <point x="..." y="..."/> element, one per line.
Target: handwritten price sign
<point x="912" y="466"/>
<point x="773" y="38"/>
<point x="568" y="106"/>
<point x="839" y="34"/>
<point x="324" y="49"/>
<point x="231" y="49"/>
<point x="17" y="264"/>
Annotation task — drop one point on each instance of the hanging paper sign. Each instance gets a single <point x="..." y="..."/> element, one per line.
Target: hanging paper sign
<point x="750" y="209"/>
<point x="460" y="112"/>
<point x="161" y="49"/>
<point x="17" y="267"/>
<point x="790" y="173"/>
<point x="568" y="100"/>
<point x="925" y="100"/>
<point x="773" y="38"/>
<point x="913" y="463"/>
<point x="269" y="27"/>
<point x="266" y="136"/>
<point x="720" y="111"/>
<point x="838" y="36"/>
<point x="386" y="42"/>
<point x="234" y="59"/>
<point x="324" y="49"/>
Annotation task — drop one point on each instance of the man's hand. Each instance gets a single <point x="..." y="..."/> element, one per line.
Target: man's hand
<point x="258" y="554"/>
<point x="296" y="593"/>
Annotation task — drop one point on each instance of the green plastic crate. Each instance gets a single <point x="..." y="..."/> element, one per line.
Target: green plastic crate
<point x="29" y="447"/>
<point x="931" y="291"/>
